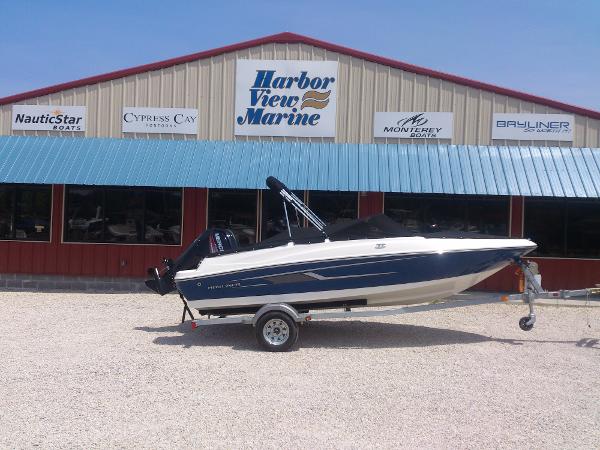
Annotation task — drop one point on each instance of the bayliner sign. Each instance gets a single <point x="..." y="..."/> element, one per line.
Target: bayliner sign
<point x="48" y="117"/>
<point x="285" y="98"/>
<point x="533" y="127"/>
<point x="415" y="125"/>
<point x="160" y="120"/>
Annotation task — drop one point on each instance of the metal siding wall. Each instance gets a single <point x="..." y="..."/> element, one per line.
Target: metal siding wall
<point x="209" y="85"/>
<point x="364" y="88"/>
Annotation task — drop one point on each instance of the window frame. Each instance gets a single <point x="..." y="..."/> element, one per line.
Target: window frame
<point x="109" y="187"/>
<point x="462" y="197"/>
<point x="564" y="202"/>
<point x="257" y="211"/>
<point x="307" y="202"/>
<point x="15" y="186"/>
<point x="260" y="206"/>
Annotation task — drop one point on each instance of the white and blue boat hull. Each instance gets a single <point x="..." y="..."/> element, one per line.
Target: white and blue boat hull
<point x="377" y="272"/>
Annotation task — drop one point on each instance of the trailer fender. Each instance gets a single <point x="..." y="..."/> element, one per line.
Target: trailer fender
<point x="281" y="307"/>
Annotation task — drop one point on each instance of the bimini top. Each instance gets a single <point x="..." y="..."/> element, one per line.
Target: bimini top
<point x="427" y="168"/>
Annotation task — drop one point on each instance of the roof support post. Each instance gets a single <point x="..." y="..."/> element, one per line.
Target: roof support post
<point x="517" y="213"/>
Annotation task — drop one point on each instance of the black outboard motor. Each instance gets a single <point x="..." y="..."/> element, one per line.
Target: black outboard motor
<point x="211" y="242"/>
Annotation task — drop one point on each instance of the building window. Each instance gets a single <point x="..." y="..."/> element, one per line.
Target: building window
<point x="430" y="213"/>
<point x="25" y="212"/>
<point x="333" y="207"/>
<point x="123" y="215"/>
<point x="273" y="215"/>
<point x="234" y="210"/>
<point x="568" y="228"/>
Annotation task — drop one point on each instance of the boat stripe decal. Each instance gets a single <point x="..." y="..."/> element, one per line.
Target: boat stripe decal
<point x="321" y="277"/>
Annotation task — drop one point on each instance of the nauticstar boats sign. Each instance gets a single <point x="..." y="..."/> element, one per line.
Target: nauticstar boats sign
<point x="285" y="98"/>
<point x="48" y="117"/>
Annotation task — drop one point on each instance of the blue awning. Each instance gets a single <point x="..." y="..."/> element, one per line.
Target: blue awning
<point x="427" y="168"/>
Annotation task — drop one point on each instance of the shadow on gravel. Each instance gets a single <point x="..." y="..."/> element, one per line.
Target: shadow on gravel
<point x="332" y="334"/>
<point x="239" y="337"/>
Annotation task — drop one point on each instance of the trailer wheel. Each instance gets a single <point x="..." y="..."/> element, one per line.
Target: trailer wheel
<point x="276" y="331"/>
<point x="523" y="324"/>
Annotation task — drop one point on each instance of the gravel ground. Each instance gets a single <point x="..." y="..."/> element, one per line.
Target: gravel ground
<point x="116" y="370"/>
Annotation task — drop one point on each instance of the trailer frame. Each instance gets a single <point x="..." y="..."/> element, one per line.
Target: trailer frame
<point x="284" y="318"/>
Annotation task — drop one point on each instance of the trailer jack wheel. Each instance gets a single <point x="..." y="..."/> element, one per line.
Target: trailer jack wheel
<point x="525" y="325"/>
<point x="276" y="331"/>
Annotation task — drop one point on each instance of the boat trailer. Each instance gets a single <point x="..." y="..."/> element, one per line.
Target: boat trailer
<point x="277" y="324"/>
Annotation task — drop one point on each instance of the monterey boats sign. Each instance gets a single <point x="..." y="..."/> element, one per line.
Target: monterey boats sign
<point x="413" y="125"/>
<point x="285" y="98"/>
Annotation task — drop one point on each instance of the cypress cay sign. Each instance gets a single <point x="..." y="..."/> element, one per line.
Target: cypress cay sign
<point x="285" y="98"/>
<point x="48" y="118"/>
<point x="532" y="127"/>
<point x="413" y="125"/>
<point x="160" y="120"/>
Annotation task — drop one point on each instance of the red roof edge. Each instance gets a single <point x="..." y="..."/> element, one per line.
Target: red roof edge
<point x="291" y="38"/>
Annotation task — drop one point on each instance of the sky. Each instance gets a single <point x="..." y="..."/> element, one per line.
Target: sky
<point x="548" y="48"/>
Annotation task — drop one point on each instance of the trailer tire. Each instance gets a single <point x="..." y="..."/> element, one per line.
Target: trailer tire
<point x="276" y="331"/>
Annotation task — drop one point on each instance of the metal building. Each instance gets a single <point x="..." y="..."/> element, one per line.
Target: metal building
<point x="108" y="191"/>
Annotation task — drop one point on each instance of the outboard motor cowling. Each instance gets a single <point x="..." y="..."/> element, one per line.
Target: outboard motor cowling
<point x="212" y="242"/>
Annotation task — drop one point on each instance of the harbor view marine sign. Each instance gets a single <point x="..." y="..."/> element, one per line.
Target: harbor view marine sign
<point x="285" y="98"/>
<point x="48" y="117"/>
<point x="413" y="125"/>
<point x="532" y="127"/>
<point x="160" y="120"/>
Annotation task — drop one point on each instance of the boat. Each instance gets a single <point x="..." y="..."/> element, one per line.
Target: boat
<point x="360" y="263"/>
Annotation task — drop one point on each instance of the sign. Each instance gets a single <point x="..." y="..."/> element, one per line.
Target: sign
<point x="160" y="120"/>
<point x="532" y="127"/>
<point x="285" y="98"/>
<point x="413" y="125"/>
<point x="48" y="117"/>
